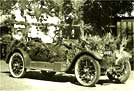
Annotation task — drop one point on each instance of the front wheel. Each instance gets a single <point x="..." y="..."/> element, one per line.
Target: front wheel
<point x="16" y="65"/>
<point x="121" y="72"/>
<point x="87" y="70"/>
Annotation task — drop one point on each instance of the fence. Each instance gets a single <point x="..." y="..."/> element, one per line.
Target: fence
<point x="125" y="27"/>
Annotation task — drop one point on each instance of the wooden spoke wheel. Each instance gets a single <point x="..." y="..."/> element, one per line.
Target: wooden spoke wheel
<point x="87" y="70"/>
<point x="16" y="65"/>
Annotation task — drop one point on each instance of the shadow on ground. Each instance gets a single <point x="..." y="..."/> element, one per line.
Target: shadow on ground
<point x="57" y="78"/>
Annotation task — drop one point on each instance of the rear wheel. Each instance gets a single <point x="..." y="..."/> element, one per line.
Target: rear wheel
<point x="121" y="72"/>
<point x="87" y="70"/>
<point x="16" y="65"/>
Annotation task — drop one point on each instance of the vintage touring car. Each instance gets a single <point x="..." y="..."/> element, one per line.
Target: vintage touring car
<point x="69" y="56"/>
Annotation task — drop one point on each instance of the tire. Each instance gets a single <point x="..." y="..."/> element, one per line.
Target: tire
<point x="47" y="74"/>
<point x="122" y="75"/>
<point x="16" y="65"/>
<point x="87" y="70"/>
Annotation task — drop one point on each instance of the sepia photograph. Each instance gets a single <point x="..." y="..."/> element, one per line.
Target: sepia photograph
<point x="66" y="45"/>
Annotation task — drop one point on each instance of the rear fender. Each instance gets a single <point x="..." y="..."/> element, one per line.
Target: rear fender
<point x="25" y="55"/>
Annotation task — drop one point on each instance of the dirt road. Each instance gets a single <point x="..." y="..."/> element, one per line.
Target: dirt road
<point x="35" y="81"/>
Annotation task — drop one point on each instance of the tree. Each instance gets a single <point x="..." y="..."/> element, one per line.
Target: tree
<point x="100" y="14"/>
<point x="6" y="6"/>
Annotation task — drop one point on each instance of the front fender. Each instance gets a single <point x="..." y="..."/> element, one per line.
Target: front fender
<point x="122" y="55"/>
<point x="25" y="55"/>
<point x="77" y="56"/>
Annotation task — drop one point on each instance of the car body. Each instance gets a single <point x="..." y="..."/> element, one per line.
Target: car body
<point x="68" y="56"/>
<point x="50" y="57"/>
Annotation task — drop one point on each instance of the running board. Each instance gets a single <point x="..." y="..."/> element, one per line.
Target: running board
<point x="55" y="66"/>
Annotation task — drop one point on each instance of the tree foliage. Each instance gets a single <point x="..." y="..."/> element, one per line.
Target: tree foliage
<point x="38" y="7"/>
<point x="100" y="14"/>
<point x="6" y="6"/>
